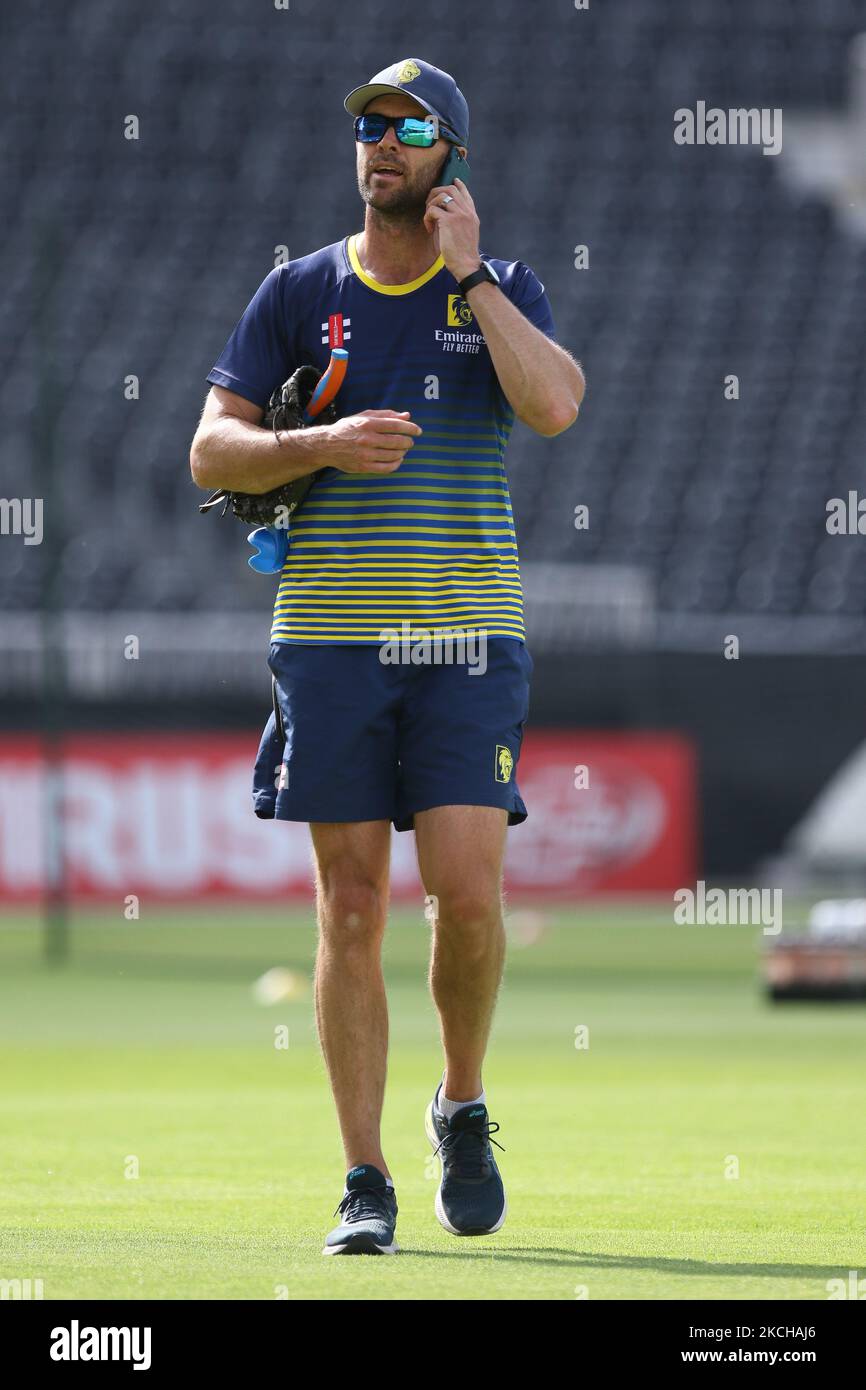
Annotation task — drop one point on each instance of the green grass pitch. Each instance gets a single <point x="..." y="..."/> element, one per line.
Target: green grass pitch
<point x="149" y="1048"/>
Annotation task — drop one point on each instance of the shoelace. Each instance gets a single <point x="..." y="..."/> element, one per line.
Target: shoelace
<point x="472" y="1146"/>
<point x="364" y="1202"/>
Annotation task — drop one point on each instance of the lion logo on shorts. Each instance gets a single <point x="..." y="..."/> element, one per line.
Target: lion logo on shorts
<point x="504" y="763"/>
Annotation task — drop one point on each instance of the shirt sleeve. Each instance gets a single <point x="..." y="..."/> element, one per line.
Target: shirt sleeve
<point x="528" y="295"/>
<point x="258" y="356"/>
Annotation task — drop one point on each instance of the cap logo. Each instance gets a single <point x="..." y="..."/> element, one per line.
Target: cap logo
<point x="407" y="72"/>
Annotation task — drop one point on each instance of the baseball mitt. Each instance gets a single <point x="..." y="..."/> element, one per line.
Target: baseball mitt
<point x="285" y="412"/>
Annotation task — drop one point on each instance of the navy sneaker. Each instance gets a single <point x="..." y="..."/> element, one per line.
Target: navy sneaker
<point x="471" y="1199"/>
<point x="369" y="1212"/>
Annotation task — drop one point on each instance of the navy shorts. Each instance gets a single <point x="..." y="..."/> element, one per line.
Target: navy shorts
<point x="368" y="741"/>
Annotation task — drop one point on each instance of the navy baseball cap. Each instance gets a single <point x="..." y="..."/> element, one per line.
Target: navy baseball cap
<point x="436" y="90"/>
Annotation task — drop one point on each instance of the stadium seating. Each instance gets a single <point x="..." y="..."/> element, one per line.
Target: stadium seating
<point x="137" y="257"/>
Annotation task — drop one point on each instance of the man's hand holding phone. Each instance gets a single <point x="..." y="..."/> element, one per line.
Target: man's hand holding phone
<point x="455" y="227"/>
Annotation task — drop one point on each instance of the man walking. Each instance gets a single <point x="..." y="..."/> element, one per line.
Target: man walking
<point x="408" y="529"/>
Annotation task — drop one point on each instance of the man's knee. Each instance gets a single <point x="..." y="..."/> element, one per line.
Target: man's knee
<point x="352" y="908"/>
<point x="468" y="909"/>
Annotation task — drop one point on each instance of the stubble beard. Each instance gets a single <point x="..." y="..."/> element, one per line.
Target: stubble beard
<point x="403" y="203"/>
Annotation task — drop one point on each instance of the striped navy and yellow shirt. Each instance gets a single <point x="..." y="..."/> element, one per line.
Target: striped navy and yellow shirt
<point x="432" y="544"/>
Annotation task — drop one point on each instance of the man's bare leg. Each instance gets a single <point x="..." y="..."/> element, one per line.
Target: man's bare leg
<point x="352" y="869"/>
<point x="460" y="852"/>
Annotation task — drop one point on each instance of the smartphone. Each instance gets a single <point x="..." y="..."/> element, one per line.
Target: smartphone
<point x="455" y="167"/>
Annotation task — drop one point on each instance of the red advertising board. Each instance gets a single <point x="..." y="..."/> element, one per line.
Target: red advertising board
<point x="169" y="817"/>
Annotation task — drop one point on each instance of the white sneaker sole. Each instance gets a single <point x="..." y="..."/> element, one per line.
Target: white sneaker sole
<point x="391" y="1249"/>
<point x="432" y="1136"/>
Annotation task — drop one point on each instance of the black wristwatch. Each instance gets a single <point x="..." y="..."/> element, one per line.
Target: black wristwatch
<point x="484" y="272"/>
